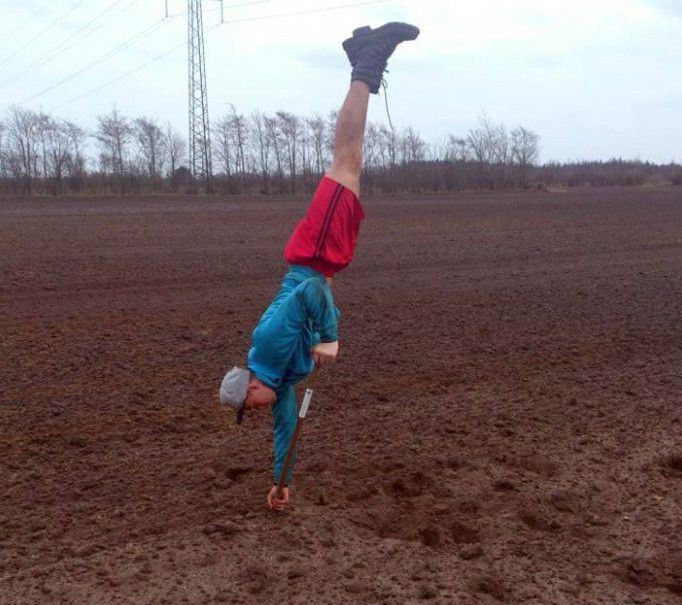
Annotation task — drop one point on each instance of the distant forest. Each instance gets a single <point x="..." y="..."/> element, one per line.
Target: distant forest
<point x="283" y="153"/>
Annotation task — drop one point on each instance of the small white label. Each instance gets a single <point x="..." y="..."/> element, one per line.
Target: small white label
<point x="306" y="402"/>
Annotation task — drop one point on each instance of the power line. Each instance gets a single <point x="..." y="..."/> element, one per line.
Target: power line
<point x="127" y="73"/>
<point x="231" y="6"/>
<point x="250" y="3"/>
<point x="64" y="44"/>
<point x="23" y="25"/>
<point x="129" y="42"/>
<point x="308" y="12"/>
<point x="41" y="32"/>
<point x="176" y="47"/>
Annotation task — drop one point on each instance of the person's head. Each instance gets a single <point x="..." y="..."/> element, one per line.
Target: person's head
<point x="258" y="394"/>
<point x="241" y="390"/>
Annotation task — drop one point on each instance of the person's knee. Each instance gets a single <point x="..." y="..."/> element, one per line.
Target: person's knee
<point x="350" y="180"/>
<point x="348" y="161"/>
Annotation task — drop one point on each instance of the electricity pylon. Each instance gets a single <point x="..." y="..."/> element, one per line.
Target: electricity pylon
<point x="199" y="129"/>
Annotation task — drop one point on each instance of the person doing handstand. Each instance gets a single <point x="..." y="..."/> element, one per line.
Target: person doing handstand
<point x="299" y="330"/>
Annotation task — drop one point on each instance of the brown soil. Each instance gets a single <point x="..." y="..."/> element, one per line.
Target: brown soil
<point x="504" y="423"/>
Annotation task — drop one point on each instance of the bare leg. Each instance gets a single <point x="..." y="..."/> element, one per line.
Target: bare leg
<point x="350" y="133"/>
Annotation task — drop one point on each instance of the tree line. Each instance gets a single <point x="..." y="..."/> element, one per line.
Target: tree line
<point x="281" y="153"/>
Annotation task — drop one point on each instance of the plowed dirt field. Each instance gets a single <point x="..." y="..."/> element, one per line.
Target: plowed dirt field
<point x="504" y="423"/>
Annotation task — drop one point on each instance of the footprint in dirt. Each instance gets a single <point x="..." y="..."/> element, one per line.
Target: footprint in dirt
<point x="538" y="464"/>
<point x="234" y="473"/>
<point x="410" y="486"/>
<point x="461" y="533"/>
<point x="665" y="570"/>
<point x="536" y="521"/>
<point x="671" y="466"/>
<point x="494" y="586"/>
<point x="638" y="571"/>
<point x="255" y="577"/>
<point x="565" y="501"/>
<point x="674" y="580"/>
<point x="362" y="494"/>
<point x="401" y="489"/>
<point x="430" y="536"/>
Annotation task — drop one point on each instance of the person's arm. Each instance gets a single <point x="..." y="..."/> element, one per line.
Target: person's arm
<point x="284" y="414"/>
<point x="319" y="305"/>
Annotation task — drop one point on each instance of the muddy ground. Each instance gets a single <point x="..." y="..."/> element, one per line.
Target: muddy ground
<point x="504" y="423"/>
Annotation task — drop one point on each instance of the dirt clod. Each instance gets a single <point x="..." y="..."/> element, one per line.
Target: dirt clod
<point x="294" y="574"/>
<point x="504" y="485"/>
<point x="430" y="536"/>
<point x="226" y="529"/>
<point x="493" y="586"/>
<point x="428" y="591"/>
<point x="538" y="521"/>
<point x="640" y="572"/>
<point x="565" y="501"/>
<point x="471" y="552"/>
<point x="671" y="466"/>
<point x="463" y="534"/>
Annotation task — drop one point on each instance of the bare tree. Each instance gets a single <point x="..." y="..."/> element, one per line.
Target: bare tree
<point x="306" y="153"/>
<point x="262" y="144"/>
<point x="413" y="151"/>
<point x="44" y="126"/>
<point x="318" y="131"/>
<point x="525" y="149"/>
<point x="76" y="160"/>
<point x="275" y="137"/>
<point x="3" y="161"/>
<point x="413" y="146"/>
<point x="22" y="143"/>
<point x="175" y="148"/>
<point x="151" y="145"/>
<point x="332" y="118"/>
<point x="239" y="134"/>
<point x="370" y="152"/>
<point x="489" y="146"/>
<point x="389" y="146"/>
<point x="59" y="152"/>
<point x="290" y="127"/>
<point x="113" y="136"/>
<point x="231" y="144"/>
<point x="223" y="141"/>
<point x="371" y="145"/>
<point x="388" y="152"/>
<point x="481" y="142"/>
<point x="456" y="150"/>
<point x="39" y="152"/>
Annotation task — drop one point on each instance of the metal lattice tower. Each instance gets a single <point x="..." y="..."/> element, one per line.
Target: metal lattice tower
<point x="199" y="133"/>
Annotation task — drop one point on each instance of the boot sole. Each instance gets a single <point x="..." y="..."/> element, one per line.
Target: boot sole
<point x="402" y="31"/>
<point x="396" y="30"/>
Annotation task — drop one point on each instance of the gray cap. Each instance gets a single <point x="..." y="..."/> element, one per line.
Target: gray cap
<point x="233" y="390"/>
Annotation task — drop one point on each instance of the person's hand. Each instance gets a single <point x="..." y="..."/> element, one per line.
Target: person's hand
<point x="276" y="503"/>
<point x="325" y="353"/>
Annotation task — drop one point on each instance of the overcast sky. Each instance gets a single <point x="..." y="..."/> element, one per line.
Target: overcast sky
<point x="595" y="78"/>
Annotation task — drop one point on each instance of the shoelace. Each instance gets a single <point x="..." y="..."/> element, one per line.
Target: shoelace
<point x="384" y="85"/>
